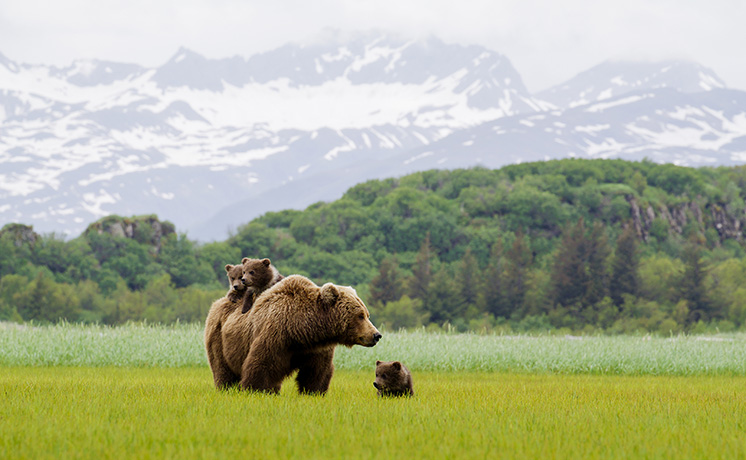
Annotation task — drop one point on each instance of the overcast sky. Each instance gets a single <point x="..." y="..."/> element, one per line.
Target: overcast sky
<point x="547" y="41"/>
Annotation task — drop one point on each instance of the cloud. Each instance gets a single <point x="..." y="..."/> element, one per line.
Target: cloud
<point x="547" y="41"/>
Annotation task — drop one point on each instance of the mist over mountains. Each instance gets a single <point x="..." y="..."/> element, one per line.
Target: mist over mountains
<point x="212" y="143"/>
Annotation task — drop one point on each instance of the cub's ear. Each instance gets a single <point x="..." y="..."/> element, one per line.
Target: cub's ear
<point x="244" y="260"/>
<point x="328" y="294"/>
<point x="228" y="267"/>
<point x="397" y="365"/>
<point x="266" y="262"/>
<point x="378" y="363"/>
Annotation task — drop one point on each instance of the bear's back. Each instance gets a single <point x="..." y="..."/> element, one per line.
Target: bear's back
<point x="275" y="309"/>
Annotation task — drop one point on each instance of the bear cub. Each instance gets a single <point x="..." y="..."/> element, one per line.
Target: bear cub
<point x="393" y="379"/>
<point x="258" y="275"/>
<point x="236" y="288"/>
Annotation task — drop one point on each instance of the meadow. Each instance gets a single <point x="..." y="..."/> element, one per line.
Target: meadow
<point x="181" y="345"/>
<point x="143" y="391"/>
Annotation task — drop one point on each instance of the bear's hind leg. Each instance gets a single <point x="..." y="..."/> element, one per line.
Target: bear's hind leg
<point x="222" y="375"/>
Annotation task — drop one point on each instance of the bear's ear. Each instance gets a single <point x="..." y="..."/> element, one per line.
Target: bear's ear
<point x="266" y="262"/>
<point x="329" y="294"/>
<point x="378" y="363"/>
<point x="244" y="260"/>
<point x="228" y="267"/>
<point x="396" y="365"/>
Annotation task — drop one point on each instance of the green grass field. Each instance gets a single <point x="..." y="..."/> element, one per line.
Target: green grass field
<point x="63" y="412"/>
<point x="146" y="392"/>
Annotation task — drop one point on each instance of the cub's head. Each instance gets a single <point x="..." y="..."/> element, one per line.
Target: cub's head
<point x="352" y="315"/>
<point x="235" y="273"/>
<point x="391" y="378"/>
<point x="257" y="273"/>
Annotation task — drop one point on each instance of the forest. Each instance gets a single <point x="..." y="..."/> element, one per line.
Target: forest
<point x="567" y="246"/>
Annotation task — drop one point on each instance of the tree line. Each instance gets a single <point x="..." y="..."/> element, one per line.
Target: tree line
<point x="577" y="245"/>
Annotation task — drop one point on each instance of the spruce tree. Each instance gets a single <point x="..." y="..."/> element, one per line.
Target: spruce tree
<point x="569" y="272"/>
<point x="517" y="263"/>
<point x="493" y="293"/>
<point x="419" y="283"/>
<point x="468" y="278"/>
<point x="445" y="303"/>
<point x="597" y="253"/>
<point x="692" y="283"/>
<point x="624" y="278"/>
<point x="387" y="286"/>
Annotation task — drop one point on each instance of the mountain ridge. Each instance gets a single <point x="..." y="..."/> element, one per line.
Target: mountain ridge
<point x="196" y="134"/>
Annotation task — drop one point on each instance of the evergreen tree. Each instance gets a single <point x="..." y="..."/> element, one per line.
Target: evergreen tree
<point x="387" y="286"/>
<point x="518" y="260"/>
<point x="493" y="293"/>
<point x="597" y="253"/>
<point x="445" y="303"/>
<point x="569" y="272"/>
<point x="692" y="283"/>
<point x="468" y="278"/>
<point x="419" y="283"/>
<point x="624" y="278"/>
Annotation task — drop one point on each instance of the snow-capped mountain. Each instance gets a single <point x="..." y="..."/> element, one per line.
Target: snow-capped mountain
<point x="663" y="125"/>
<point x="210" y="144"/>
<point x="614" y="78"/>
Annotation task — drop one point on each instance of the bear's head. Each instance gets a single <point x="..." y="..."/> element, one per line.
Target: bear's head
<point x="235" y="273"/>
<point x="257" y="273"/>
<point x="391" y="377"/>
<point x="352" y="315"/>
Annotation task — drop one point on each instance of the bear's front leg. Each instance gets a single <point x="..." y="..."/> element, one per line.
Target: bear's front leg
<point x="264" y="369"/>
<point x="315" y="371"/>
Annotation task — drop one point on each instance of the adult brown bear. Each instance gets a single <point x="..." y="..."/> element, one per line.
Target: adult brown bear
<point x="294" y="325"/>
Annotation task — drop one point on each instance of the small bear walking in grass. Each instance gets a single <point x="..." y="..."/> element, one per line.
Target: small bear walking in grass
<point x="393" y="379"/>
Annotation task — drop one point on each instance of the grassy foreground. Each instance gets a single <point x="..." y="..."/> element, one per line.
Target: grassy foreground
<point x="83" y="412"/>
<point x="143" y="391"/>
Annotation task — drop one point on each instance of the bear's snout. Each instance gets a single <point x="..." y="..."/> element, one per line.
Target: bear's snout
<point x="375" y="384"/>
<point x="368" y="340"/>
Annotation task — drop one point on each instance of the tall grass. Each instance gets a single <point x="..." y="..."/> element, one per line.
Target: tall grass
<point x="100" y="413"/>
<point x="71" y="344"/>
<point x="615" y="355"/>
<point x="143" y="345"/>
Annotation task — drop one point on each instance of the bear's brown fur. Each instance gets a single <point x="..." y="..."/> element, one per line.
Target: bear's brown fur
<point x="219" y="310"/>
<point x="294" y="325"/>
<point x="258" y="276"/>
<point x="393" y="379"/>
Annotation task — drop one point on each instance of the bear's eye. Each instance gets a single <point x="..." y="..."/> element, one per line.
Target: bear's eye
<point x="383" y="376"/>
<point x="362" y="316"/>
<point x="251" y="272"/>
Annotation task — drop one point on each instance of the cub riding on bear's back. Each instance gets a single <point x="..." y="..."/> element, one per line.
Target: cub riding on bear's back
<point x="258" y="276"/>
